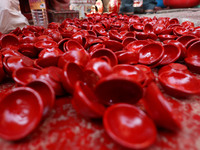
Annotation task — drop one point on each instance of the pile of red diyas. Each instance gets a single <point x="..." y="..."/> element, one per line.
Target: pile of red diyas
<point x="120" y="68"/>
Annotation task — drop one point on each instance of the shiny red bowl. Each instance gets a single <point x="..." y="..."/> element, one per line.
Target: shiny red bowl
<point x="24" y="75"/>
<point x="113" y="45"/>
<point x="171" y="54"/>
<point x="72" y="45"/>
<point x="179" y="84"/>
<point x="20" y="113"/>
<point x="163" y="37"/>
<point x="151" y="54"/>
<point x="129" y="126"/>
<point x="193" y="64"/>
<point x="193" y="50"/>
<point x="158" y="108"/>
<point x="9" y="39"/>
<point x="116" y="88"/>
<point x="85" y="102"/>
<point x="46" y="93"/>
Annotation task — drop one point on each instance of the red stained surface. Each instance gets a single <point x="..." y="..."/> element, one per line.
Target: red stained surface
<point x="64" y="129"/>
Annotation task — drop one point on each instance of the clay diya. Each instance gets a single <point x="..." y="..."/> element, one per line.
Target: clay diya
<point x="148" y="28"/>
<point x="40" y="45"/>
<point x="72" y="45"/>
<point x="96" y="46"/>
<point x="127" y="57"/>
<point x="114" y="35"/>
<point x="113" y="45"/>
<point x="193" y="64"/>
<point x="179" y="84"/>
<point x="46" y="93"/>
<point x="128" y="40"/>
<point x="134" y="128"/>
<point x="158" y="108"/>
<point x="180" y="31"/>
<point x="18" y="113"/>
<point x="52" y="75"/>
<point x="116" y="88"/>
<point x="15" y="62"/>
<point x="171" y="54"/>
<point x="130" y="71"/>
<point x="193" y="50"/>
<point x="186" y="38"/>
<point x="91" y="40"/>
<point x="151" y="54"/>
<point x="100" y="66"/>
<point x="28" y="50"/>
<point x="80" y="57"/>
<point x="24" y="75"/>
<point x="136" y="27"/>
<point x="163" y="37"/>
<point x="85" y="102"/>
<point x="72" y="73"/>
<point x="100" y="30"/>
<point x="141" y="35"/>
<point x="149" y="75"/>
<point x="105" y="52"/>
<point x="2" y="73"/>
<point x="136" y="45"/>
<point x="190" y="42"/>
<point x="9" y="39"/>
<point x="61" y="43"/>
<point x="173" y="67"/>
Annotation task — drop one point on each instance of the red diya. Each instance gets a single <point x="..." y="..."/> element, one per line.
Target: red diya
<point x="116" y="88"/>
<point x="130" y="121"/>
<point x="151" y="54"/>
<point x="24" y="75"/>
<point x="193" y="50"/>
<point x="158" y="108"/>
<point x="9" y="39"/>
<point x="171" y="54"/>
<point x="186" y="38"/>
<point x="105" y="52"/>
<point x="72" y="45"/>
<point x="46" y="93"/>
<point x="193" y="64"/>
<point x="85" y="102"/>
<point x="18" y="113"/>
<point x="180" y="84"/>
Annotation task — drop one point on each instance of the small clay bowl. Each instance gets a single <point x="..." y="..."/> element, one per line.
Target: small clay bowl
<point x="130" y="71"/>
<point x="179" y="31"/>
<point x="46" y="93"/>
<point x="105" y="52"/>
<point x="116" y="88"/>
<point x="114" y="35"/>
<point x="148" y="28"/>
<point x="163" y="37"/>
<point x="136" y="45"/>
<point x="128" y="57"/>
<point x="179" y="84"/>
<point x="129" y="126"/>
<point x="85" y="102"/>
<point x="40" y="45"/>
<point x="100" y="30"/>
<point x="113" y="45"/>
<point x="72" y="73"/>
<point x="79" y="57"/>
<point x="28" y="50"/>
<point x="128" y="40"/>
<point x="193" y="64"/>
<point x="171" y="54"/>
<point x="52" y="75"/>
<point x="190" y="42"/>
<point x="141" y="35"/>
<point x="151" y="54"/>
<point x="96" y="46"/>
<point x="100" y="66"/>
<point x="72" y="45"/>
<point x="9" y="39"/>
<point x="173" y="67"/>
<point x="21" y="111"/>
<point x="158" y="108"/>
<point x="193" y="50"/>
<point x="24" y="75"/>
<point x="185" y="38"/>
<point x="46" y="62"/>
<point x="61" y="43"/>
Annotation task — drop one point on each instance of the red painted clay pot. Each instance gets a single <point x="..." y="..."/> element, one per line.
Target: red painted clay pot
<point x="85" y="102"/>
<point x="134" y="128"/>
<point x="21" y="111"/>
